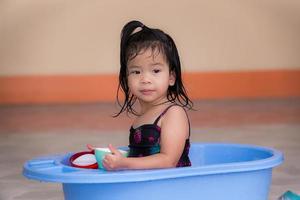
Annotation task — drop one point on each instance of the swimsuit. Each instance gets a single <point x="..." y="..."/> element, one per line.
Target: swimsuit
<point x="145" y="140"/>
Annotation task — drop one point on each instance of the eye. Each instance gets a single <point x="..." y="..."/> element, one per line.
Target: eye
<point x="156" y="71"/>
<point x="134" y="72"/>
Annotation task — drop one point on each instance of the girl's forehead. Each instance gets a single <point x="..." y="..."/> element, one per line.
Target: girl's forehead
<point x="148" y="56"/>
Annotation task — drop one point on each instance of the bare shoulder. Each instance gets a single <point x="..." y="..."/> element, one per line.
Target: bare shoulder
<point x="175" y="124"/>
<point x="176" y="113"/>
<point x="176" y="110"/>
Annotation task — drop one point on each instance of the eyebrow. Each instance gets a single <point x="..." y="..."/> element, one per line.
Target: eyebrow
<point x="157" y="63"/>
<point x="152" y="64"/>
<point x="133" y="66"/>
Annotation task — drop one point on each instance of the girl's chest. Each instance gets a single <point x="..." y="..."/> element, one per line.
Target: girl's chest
<point x="145" y="135"/>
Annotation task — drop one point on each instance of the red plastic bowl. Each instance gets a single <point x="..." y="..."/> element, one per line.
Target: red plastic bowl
<point x="76" y="155"/>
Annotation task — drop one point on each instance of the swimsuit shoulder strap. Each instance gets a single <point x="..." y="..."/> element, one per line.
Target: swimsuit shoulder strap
<point x="164" y="112"/>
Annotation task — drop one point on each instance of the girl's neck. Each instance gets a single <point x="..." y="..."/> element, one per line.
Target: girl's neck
<point x="145" y="107"/>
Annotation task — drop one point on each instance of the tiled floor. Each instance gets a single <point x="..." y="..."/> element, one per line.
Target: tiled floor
<point x="30" y="131"/>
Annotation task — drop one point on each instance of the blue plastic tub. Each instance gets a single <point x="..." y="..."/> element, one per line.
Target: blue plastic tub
<point x="219" y="171"/>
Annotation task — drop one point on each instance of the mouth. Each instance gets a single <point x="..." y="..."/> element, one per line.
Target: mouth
<point x="146" y="92"/>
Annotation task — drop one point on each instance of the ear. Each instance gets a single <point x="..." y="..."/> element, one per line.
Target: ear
<point x="172" y="78"/>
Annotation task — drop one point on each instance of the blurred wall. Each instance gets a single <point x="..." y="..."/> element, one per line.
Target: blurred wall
<point x="54" y="37"/>
<point x="82" y="37"/>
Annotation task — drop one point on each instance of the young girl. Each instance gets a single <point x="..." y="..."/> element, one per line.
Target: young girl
<point x="150" y="77"/>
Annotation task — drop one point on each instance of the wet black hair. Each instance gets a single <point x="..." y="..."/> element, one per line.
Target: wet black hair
<point x="133" y="41"/>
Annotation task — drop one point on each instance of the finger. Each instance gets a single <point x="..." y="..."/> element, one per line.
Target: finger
<point x="113" y="149"/>
<point x="104" y="161"/>
<point x="105" y="165"/>
<point x="90" y="147"/>
<point x="108" y="158"/>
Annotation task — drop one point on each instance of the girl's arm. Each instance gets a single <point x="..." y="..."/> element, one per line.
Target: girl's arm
<point x="174" y="132"/>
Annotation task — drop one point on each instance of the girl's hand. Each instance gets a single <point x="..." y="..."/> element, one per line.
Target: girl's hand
<point x="113" y="161"/>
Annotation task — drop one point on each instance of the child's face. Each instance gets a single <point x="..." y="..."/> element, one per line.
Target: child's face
<point x="149" y="76"/>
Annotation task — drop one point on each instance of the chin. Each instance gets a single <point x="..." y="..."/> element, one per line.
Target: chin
<point x="148" y="100"/>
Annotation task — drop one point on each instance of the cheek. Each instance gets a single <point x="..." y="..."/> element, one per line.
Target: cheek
<point x="131" y="82"/>
<point x="164" y="83"/>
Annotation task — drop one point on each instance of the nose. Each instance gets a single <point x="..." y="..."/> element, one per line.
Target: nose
<point x="145" y="78"/>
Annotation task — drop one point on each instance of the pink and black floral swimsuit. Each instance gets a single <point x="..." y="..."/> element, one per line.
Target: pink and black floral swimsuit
<point x="145" y="140"/>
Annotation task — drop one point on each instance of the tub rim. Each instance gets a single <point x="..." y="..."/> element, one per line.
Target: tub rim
<point x="51" y="169"/>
